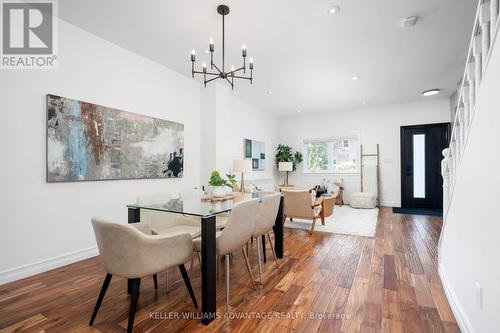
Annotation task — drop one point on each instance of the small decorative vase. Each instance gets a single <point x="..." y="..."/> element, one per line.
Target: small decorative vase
<point x="219" y="191"/>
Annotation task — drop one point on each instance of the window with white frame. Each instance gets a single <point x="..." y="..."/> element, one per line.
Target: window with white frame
<point x="339" y="155"/>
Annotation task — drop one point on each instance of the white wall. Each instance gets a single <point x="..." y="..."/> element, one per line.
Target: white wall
<point x="469" y="251"/>
<point x="377" y="125"/>
<point x="237" y="120"/>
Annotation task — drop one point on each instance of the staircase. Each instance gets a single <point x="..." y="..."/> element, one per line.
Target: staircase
<point x="483" y="35"/>
<point x="469" y="245"/>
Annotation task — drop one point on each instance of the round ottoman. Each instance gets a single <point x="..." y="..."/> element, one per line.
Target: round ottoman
<point x="362" y="200"/>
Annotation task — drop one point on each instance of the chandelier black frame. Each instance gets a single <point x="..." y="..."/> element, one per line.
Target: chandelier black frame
<point x="221" y="73"/>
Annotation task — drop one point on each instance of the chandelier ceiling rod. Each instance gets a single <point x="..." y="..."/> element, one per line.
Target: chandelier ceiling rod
<point x="222" y="74"/>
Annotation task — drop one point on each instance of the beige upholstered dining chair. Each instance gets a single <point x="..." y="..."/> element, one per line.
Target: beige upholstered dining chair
<point x="129" y="253"/>
<point x="239" y="228"/>
<point x="264" y="223"/>
<point x="165" y="223"/>
<point x="302" y="204"/>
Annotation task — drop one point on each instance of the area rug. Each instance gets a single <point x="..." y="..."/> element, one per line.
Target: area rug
<point x="344" y="220"/>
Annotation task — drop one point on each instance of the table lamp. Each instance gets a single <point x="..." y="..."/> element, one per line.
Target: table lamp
<point x="285" y="167"/>
<point x="242" y="166"/>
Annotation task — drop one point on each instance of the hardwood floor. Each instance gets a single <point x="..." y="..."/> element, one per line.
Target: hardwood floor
<point x="326" y="283"/>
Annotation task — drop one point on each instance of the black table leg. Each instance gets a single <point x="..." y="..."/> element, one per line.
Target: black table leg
<point x="134" y="216"/>
<point x="279" y="239"/>
<point x="264" y="248"/>
<point x="208" y="270"/>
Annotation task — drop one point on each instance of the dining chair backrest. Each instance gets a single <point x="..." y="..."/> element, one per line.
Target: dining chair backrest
<point x="266" y="217"/>
<point x="158" y="220"/>
<point x="299" y="203"/>
<point x="127" y="252"/>
<point x="239" y="227"/>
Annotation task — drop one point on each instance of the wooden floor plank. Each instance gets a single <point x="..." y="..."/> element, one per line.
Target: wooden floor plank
<point x="326" y="283"/>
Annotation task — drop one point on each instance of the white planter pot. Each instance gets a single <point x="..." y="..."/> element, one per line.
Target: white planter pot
<point x="219" y="191"/>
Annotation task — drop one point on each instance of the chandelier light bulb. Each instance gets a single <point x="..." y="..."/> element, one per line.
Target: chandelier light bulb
<point x="211" y="45"/>
<point x="251" y="64"/>
<point x="244" y="50"/>
<point x="193" y="55"/>
<point x="204" y="68"/>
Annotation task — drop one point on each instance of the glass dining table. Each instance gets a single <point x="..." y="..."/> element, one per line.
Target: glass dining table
<point x="207" y="212"/>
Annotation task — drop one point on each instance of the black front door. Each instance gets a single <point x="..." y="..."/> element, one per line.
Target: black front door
<point x="421" y="155"/>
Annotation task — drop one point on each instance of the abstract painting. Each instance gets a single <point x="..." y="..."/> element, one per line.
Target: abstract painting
<point x="88" y="142"/>
<point x="256" y="152"/>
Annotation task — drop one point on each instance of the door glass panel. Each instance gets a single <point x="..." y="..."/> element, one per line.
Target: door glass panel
<point x="419" y="165"/>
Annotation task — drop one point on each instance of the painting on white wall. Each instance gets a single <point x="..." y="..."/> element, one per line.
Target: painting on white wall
<point x="256" y="152"/>
<point x="88" y="142"/>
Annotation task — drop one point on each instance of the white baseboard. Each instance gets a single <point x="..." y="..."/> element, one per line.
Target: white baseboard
<point x="24" y="271"/>
<point x="462" y="319"/>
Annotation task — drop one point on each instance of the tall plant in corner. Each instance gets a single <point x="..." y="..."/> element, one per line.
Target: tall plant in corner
<point x="285" y="153"/>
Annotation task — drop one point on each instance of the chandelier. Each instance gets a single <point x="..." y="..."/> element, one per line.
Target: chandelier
<point x="220" y="73"/>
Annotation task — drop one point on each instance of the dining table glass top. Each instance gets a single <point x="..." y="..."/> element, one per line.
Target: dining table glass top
<point x="199" y="206"/>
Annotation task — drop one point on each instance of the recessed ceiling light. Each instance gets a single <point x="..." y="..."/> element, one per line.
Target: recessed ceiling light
<point x="355" y="78"/>
<point x="364" y="102"/>
<point x="431" y="92"/>
<point x="334" y="10"/>
<point x="269" y="92"/>
<point x="299" y="111"/>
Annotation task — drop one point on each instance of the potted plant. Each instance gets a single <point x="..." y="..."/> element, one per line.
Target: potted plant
<point x="220" y="187"/>
<point x="285" y="153"/>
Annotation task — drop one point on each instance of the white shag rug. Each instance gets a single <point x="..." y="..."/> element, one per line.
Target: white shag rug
<point x="344" y="220"/>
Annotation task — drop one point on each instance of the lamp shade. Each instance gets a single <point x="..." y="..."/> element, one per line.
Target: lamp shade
<point x="242" y="165"/>
<point x="285" y="166"/>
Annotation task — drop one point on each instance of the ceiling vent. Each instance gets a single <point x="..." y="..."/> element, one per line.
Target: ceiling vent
<point x="409" y="22"/>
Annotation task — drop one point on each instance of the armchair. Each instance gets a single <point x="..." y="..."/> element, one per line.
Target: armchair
<point x="303" y="205"/>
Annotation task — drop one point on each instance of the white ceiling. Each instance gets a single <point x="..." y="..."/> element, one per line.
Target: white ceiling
<point x="304" y="55"/>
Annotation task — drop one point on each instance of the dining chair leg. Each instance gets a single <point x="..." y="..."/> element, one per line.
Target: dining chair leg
<point x="104" y="288"/>
<point x="272" y="249"/>
<point x="248" y="266"/>
<point x="187" y="282"/>
<point x="133" y="304"/>
<point x="226" y="271"/>
<point x="190" y="275"/>
<point x="167" y="283"/>
<point x="155" y="280"/>
<point x="259" y="259"/>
